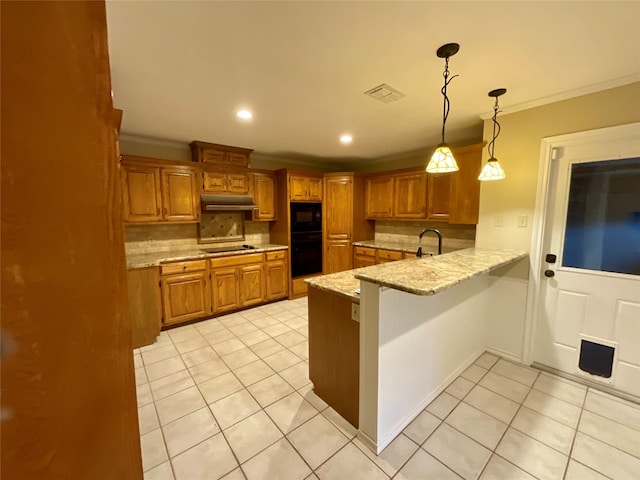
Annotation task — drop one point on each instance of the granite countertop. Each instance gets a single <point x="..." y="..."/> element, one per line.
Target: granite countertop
<point x="156" y="258"/>
<point x="420" y="276"/>
<point x="410" y="247"/>
<point x="432" y="275"/>
<point x="343" y="283"/>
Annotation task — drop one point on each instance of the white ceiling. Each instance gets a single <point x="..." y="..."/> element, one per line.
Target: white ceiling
<point x="181" y="69"/>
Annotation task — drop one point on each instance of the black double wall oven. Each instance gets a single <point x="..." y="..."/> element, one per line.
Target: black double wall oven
<point x="306" y="238"/>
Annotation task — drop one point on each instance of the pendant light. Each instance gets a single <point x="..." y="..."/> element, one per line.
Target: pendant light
<point x="442" y="160"/>
<point x="492" y="170"/>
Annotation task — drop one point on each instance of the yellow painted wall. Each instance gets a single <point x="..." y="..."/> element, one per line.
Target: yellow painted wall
<point x="518" y="150"/>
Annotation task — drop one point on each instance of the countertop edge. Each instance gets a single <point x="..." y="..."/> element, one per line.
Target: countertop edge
<point x="164" y="257"/>
<point x="517" y="255"/>
<point x="355" y="298"/>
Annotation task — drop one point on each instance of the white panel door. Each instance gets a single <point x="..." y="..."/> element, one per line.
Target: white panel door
<point x="591" y="291"/>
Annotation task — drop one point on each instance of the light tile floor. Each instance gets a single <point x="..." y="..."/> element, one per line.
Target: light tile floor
<point x="231" y="398"/>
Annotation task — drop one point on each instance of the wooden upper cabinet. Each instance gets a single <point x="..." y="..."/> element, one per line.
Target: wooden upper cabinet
<point x="304" y="188"/>
<point x="264" y="195"/>
<point x="180" y="195"/>
<point x="410" y="196"/>
<point x="220" y="155"/>
<point x="379" y="193"/>
<point x="438" y="194"/>
<point x="141" y="193"/>
<point x="315" y="189"/>
<point x="217" y="181"/>
<point x="464" y="203"/>
<point x="338" y="207"/>
<point x="156" y="191"/>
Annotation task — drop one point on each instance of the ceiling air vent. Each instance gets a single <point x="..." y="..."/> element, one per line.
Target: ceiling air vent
<point x="385" y="93"/>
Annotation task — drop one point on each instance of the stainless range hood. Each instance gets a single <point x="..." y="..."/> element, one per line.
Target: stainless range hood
<point x="226" y="203"/>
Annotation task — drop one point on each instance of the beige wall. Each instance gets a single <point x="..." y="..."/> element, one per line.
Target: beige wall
<point x="518" y="150"/>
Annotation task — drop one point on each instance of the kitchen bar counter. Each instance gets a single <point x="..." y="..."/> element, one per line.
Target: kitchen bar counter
<point x="420" y="276"/>
<point x="156" y="258"/>
<point x="432" y="275"/>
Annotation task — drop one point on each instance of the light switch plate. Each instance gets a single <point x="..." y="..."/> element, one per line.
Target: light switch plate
<point x="522" y="221"/>
<point x="355" y="312"/>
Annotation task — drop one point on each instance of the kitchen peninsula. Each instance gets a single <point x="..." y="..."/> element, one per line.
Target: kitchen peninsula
<point x="422" y="321"/>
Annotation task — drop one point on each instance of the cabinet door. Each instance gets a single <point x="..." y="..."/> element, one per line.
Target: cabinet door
<point x="180" y="195"/>
<point x="379" y="195"/>
<point x="359" y="261"/>
<point x="224" y="287"/>
<point x="264" y="194"/>
<point x="438" y="197"/>
<point x="298" y="188"/>
<point x="314" y="189"/>
<point x="337" y="256"/>
<point x="237" y="183"/>
<point x="410" y="200"/>
<point x="464" y="204"/>
<point x="141" y="197"/>
<point x="210" y="155"/>
<point x="185" y="297"/>
<point x="338" y="207"/>
<point x="235" y="159"/>
<point x="277" y="284"/>
<point x="214" y="182"/>
<point x="251" y="284"/>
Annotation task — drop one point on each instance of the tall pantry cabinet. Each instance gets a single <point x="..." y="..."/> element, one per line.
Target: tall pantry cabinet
<point x="343" y="218"/>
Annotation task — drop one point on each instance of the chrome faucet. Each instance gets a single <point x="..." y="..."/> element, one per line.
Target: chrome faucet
<point x="437" y="232"/>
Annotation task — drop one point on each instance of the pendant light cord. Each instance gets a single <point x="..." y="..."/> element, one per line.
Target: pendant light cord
<point x="491" y="146"/>
<point x="446" y="106"/>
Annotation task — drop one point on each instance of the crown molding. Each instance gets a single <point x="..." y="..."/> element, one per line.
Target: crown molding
<point x="578" y="92"/>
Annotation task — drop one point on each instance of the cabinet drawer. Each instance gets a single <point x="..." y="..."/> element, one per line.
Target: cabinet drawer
<point x="182" y="267"/>
<point x="389" y="255"/>
<point x="236" y="260"/>
<point x="365" y="251"/>
<point x="279" y="255"/>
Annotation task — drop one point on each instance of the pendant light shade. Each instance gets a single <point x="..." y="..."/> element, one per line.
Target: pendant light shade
<point x="442" y="160"/>
<point x="492" y="170"/>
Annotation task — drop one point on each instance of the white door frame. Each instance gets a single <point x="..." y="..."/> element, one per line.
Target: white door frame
<point x="547" y="151"/>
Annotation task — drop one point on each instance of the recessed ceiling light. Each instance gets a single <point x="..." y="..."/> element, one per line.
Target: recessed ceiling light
<point x="244" y="114"/>
<point x="346" y="139"/>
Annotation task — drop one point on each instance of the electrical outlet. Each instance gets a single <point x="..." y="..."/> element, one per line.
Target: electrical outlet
<point x="355" y="312"/>
<point x="522" y="221"/>
<point x="497" y="221"/>
<point x="150" y="240"/>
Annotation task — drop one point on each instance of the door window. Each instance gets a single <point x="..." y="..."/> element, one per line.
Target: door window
<point x="603" y="217"/>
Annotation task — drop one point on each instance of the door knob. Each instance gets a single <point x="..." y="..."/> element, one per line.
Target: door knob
<point x="549" y="273"/>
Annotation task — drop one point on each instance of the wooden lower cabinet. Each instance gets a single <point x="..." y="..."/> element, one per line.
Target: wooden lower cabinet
<point x="185" y="297"/>
<point x="224" y="289"/>
<point x="251" y="285"/>
<point x="334" y="352"/>
<point x="195" y="289"/>
<point x="145" y="305"/>
<point x="337" y="256"/>
<point x="276" y="280"/>
<point x="364" y="257"/>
